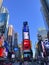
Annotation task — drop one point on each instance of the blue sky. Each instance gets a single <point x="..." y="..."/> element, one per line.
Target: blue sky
<point x="25" y="10"/>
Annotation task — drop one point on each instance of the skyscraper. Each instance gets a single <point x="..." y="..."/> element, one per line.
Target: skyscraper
<point x="45" y="10"/>
<point x="15" y="40"/>
<point x="10" y="36"/>
<point x="21" y="50"/>
<point x="43" y="33"/>
<point x="16" y="48"/>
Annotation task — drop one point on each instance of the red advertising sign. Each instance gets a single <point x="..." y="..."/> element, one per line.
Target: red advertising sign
<point x="1" y="52"/>
<point x="26" y="45"/>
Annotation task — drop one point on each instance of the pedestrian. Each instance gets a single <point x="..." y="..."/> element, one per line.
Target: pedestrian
<point x="20" y="62"/>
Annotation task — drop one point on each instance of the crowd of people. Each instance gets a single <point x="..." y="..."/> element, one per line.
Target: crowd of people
<point x="43" y="48"/>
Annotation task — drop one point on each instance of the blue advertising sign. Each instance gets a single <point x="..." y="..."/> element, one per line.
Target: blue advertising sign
<point x="25" y="29"/>
<point x="15" y="49"/>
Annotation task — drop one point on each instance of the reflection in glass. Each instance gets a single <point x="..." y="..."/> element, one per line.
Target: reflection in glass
<point x="47" y="1"/>
<point x="3" y="19"/>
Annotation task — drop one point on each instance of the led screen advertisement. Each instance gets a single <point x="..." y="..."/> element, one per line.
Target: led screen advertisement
<point x="26" y="35"/>
<point x="26" y="45"/>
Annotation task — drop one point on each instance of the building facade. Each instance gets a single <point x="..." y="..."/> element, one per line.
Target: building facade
<point x="43" y="33"/>
<point x="45" y="12"/>
<point x="10" y="35"/>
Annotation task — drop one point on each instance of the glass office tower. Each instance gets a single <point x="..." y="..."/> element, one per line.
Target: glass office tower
<point x="45" y="12"/>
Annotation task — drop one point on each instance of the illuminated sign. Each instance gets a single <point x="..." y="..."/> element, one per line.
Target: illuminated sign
<point x="26" y="51"/>
<point x="26" y="35"/>
<point x="26" y="45"/>
<point x="15" y="49"/>
<point x="25" y="29"/>
<point x="1" y="52"/>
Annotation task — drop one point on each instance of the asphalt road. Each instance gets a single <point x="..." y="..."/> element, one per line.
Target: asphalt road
<point x="26" y="63"/>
